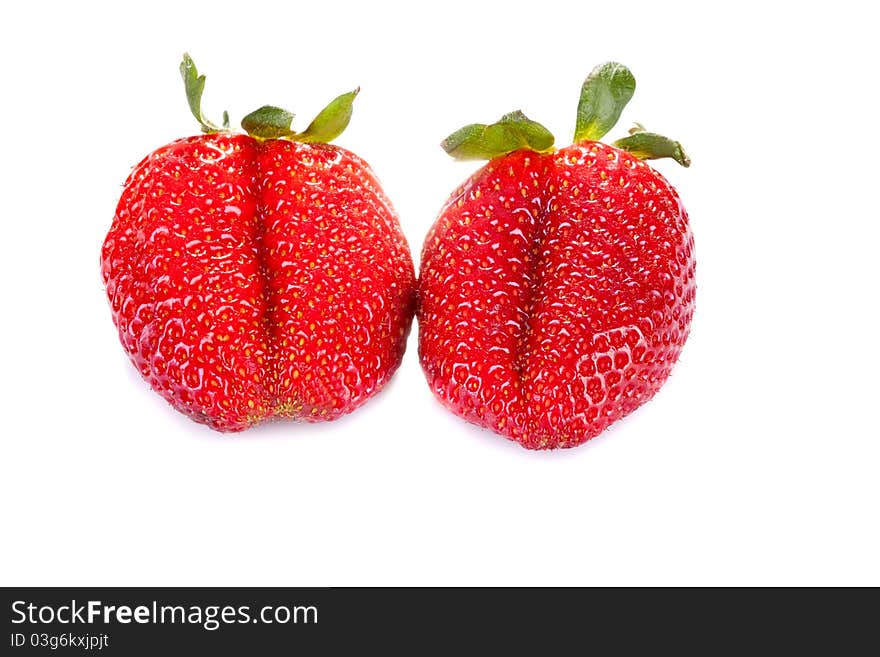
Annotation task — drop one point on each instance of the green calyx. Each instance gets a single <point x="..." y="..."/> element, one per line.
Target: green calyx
<point x="513" y="131"/>
<point x="651" y="146"/>
<point x="270" y="122"/>
<point x="604" y="95"/>
<point x="195" y="85"/>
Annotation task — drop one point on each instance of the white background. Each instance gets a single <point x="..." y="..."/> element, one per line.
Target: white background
<point x="756" y="464"/>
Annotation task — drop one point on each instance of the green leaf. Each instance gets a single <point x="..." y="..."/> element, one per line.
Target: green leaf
<point x="651" y="146"/>
<point x="513" y="131"/>
<point x="268" y="122"/>
<point x="195" y="85"/>
<point x="604" y="94"/>
<point x="331" y="120"/>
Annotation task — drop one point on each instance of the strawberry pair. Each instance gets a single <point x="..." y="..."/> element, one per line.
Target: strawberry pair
<point x="266" y="275"/>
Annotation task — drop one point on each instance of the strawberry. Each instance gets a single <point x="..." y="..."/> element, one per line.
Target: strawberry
<point x="261" y="275"/>
<point x="557" y="286"/>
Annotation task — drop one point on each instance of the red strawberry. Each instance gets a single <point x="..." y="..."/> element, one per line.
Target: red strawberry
<point x="260" y="276"/>
<point x="557" y="287"/>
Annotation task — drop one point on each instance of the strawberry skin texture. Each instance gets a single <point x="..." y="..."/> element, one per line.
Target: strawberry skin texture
<point x="258" y="279"/>
<point x="555" y="293"/>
